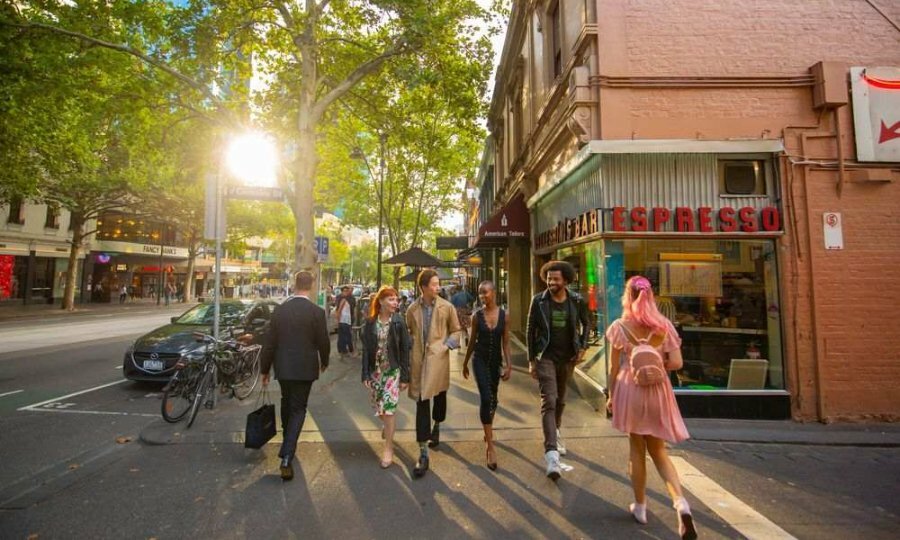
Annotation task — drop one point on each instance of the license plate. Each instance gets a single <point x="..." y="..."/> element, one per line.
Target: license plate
<point x="156" y="365"/>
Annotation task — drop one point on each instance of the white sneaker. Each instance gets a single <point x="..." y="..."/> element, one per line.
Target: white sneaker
<point x="560" y="447"/>
<point x="553" y="469"/>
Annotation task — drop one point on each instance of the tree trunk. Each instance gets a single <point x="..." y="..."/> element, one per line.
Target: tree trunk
<point x="305" y="167"/>
<point x="68" y="302"/>
<point x="189" y="278"/>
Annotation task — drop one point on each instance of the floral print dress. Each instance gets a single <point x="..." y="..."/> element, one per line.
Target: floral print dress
<point x="385" y="380"/>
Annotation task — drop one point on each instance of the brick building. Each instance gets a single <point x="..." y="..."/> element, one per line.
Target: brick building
<point x="728" y="151"/>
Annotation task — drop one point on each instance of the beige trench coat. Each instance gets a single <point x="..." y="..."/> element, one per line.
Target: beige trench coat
<point x="429" y="363"/>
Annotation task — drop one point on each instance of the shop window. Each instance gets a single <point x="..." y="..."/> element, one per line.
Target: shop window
<point x="721" y="295"/>
<point x="16" y="211"/>
<point x="742" y="177"/>
<point x="52" y="219"/>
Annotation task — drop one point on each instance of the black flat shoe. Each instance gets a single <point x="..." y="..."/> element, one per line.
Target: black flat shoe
<point x="421" y="467"/>
<point x="287" y="469"/>
<point x="435" y="436"/>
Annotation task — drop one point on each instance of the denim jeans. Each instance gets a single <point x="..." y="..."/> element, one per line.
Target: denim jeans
<point x="345" y="338"/>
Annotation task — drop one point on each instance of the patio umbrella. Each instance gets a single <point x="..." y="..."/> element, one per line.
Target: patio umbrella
<point x="416" y="257"/>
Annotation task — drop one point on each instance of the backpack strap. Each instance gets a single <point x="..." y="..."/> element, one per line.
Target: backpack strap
<point x="634" y="339"/>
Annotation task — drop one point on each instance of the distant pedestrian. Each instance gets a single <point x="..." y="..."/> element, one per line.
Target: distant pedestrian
<point x="344" y="319"/>
<point x="462" y="300"/>
<point x="385" y="362"/>
<point x="297" y="345"/>
<point x="489" y="342"/>
<point x="645" y="346"/>
<point x="557" y="334"/>
<point x="123" y="293"/>
<point x="434" y="329"/>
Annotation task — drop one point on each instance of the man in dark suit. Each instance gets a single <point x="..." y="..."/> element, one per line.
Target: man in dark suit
<point x="297" y="344"/>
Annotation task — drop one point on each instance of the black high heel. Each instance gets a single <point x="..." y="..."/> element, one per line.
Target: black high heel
<point x="492" y="465"/>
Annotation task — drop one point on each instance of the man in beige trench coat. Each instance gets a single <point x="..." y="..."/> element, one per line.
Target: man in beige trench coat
<point x="434" y="329"/>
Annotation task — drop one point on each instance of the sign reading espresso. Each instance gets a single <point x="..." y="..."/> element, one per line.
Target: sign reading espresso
<point x="658" y="219"/>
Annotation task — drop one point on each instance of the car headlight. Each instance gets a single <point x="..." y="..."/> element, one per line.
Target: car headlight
<point x="193" y="356"/>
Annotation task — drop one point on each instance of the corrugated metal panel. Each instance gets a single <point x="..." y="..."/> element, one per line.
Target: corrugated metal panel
<point x="649" y="180"/>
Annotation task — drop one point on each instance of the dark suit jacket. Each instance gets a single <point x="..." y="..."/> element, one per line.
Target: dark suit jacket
<point x="297" y="341"/>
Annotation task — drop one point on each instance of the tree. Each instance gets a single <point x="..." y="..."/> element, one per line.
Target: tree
<point x="84" y="130"/>
<point x="312" y="52"/>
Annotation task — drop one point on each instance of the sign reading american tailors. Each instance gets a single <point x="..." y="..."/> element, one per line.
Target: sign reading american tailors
<point x="640" y="219"/>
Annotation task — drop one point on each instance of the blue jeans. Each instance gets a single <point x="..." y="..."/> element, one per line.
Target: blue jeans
<point x="487" y="377"/>
<point x="345" y="338"/>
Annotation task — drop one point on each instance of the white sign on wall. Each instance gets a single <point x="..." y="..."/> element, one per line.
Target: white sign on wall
<point x="834" y="232"/>
<point x="876" y="112"/>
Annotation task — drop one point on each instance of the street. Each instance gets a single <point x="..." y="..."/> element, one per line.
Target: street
<point x="86" y="455"/>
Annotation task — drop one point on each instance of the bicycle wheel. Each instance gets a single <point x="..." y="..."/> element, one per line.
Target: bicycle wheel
<point x="178" y="396"/>
<point x="203" y="387"/>
<point x="246" y="379"/>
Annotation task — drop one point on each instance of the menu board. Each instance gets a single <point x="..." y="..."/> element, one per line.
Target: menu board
<point x="690" y="279"/>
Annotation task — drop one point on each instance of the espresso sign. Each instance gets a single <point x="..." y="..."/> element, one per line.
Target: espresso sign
<point x="659" y="219"/>
<point x="688" y="220"/>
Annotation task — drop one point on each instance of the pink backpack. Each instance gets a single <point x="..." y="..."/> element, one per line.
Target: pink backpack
<point x="647" y="363"/>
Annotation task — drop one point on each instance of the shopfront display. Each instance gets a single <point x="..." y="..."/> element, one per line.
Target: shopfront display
<point x="710" y="256"/>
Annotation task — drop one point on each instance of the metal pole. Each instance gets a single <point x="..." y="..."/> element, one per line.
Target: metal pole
<point x="159" y="286"/>
<point x="383" y="137"/>
<point x="218" y="271"/>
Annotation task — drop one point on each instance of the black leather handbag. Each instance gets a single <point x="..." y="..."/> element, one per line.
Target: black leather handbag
<point x="260" y="424"/>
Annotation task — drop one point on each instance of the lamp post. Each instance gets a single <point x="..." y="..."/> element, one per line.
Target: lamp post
<point x="357" y="153"/>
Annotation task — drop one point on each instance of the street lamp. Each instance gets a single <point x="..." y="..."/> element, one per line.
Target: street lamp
<point x="357" y="153"/>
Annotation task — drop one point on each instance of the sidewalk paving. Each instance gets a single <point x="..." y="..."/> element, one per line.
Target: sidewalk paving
<point x="339" y="410"/>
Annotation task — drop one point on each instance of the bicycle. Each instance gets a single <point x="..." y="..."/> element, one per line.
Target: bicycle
<point x="231" y="364"/>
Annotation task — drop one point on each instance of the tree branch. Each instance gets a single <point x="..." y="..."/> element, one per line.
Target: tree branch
<point x="357" y="75"/>
<point x="184" y="79"/>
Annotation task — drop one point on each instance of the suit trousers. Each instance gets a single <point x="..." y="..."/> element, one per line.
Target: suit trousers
<point x="294" y="397"/>
<point x="553" y="380"/>
<point x="424" y="415"/>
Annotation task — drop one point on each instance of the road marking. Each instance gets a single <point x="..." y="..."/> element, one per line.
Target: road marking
<point x="54" y="400"/>
<point x="76" y="411"/>
<point x="11" y="393"/>
<point x="740" y="516"/>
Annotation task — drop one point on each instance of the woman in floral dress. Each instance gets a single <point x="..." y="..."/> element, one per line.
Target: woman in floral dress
<point x="385" y="362"/>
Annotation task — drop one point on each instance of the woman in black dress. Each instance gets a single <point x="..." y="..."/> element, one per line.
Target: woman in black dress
<point x="489" y="342"/>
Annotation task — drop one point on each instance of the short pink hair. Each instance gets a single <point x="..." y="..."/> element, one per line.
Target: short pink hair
<point x="638" y="305"/>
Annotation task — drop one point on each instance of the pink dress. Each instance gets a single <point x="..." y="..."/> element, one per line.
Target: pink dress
<point x="645" y="410"/>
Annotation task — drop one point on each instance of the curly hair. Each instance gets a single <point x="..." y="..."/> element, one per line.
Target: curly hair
<point x="564" y="268"/>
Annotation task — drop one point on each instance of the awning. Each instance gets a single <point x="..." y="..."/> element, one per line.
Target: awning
<point x="511" y="221"/>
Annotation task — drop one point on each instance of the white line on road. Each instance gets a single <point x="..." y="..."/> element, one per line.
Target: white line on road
<point x="11" y="393"/>
<point x="75" y="411"/>
<point x="32" y="406"/>
<point x="740" y="516"/>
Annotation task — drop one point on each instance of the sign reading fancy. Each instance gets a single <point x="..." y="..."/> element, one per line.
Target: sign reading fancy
<point x="680" y="220"/>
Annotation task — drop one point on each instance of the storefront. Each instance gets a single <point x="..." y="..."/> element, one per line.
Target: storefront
<point x="135" y="266"/>
<point x="703" y="225"/>
<point x="503" y="247"/>
<point x="33" y="273"/>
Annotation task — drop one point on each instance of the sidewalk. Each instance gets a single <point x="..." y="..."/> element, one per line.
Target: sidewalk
<point x="339" y="411"/>
<point x="19" y="311"/>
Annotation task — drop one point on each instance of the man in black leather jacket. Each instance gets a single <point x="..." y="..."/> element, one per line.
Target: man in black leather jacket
<point x="297" y="344"/>
<point x="558" y="327"/>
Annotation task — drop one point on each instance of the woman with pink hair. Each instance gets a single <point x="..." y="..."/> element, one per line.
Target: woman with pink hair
<point x="641" y="398"/>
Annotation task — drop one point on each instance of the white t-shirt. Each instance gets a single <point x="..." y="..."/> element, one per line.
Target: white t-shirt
<point x="345" y="313"/>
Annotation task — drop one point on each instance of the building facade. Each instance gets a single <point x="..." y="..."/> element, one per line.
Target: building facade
<point x="34" y="253"/>
<point x="741" y="156"/>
